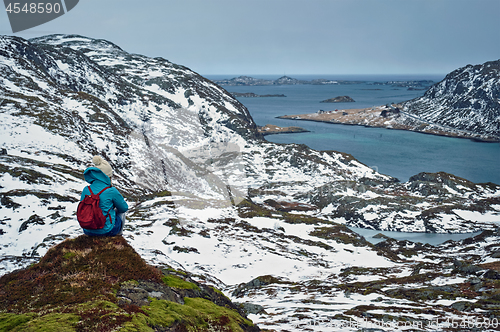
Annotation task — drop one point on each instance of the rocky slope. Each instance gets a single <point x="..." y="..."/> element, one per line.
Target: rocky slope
<point x="207" y="194"/>
<point x="466" y="99"/>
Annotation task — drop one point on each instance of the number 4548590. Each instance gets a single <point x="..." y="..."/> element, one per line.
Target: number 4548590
<point x="33" y="8"/>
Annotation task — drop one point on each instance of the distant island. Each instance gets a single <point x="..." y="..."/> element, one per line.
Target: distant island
<point x="340" y="99"/>
<point x="286" y="80"/>
<point x="411" y="85"/>
<point x="253" y="95"/>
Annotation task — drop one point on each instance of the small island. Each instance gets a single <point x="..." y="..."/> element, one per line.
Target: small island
<point x="253" y="95"/>
<point x="339" y="99"/>
<point x="270" y="129"/>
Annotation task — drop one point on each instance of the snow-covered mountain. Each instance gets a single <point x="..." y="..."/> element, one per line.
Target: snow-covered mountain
<point x="207" y="193"/>
<point x="466" y="99"/>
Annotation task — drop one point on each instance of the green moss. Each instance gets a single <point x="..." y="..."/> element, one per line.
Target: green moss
<point x="105" y="305"/>
<point x="165" y="313"/>
<point x="139" y="323"/>
<point x="177" y="282"/>
<point x="164" y="193"/>
<point x="217" y="291"/>
<point x="69" y="255"/>
<point x="100" y="315"/>
<point x="176" y="271"/>
<point x="196" y="314"/>
<point x="130" y="282"/>
<point x="54" y="322"/>
<point x="11" y="321"/>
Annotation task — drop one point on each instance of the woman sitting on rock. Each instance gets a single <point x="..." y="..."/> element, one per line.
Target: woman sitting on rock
<point x="111" y="202"/>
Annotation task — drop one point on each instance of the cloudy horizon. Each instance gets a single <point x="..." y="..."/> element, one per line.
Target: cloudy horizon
<point x="292" y="37"/>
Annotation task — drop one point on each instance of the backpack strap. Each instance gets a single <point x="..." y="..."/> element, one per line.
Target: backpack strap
<point x="100" y="192"/>
<point x="109" y="215"/>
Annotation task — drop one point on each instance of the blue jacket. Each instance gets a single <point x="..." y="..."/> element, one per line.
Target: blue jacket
<point x="109" y="199"/>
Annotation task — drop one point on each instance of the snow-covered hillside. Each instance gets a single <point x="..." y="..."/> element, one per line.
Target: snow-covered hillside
<point x="467" y="99"/>
<point x="208" y="194"/>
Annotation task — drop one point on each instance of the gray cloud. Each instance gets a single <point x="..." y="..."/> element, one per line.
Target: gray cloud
<point x="294" y="36"/>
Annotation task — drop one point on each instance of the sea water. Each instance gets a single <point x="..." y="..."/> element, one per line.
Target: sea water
<point x="398" y="153"/>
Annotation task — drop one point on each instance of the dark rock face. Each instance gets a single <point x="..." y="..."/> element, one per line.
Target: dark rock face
<point x="251" y="308"/>
<point x="258" y="282"/>
<point x="140" y="293"/>
<point x="466" y="268"/>
<point x="434" y="183"/>
<point x="387" y="112"/>
<point x="466" y="99"/>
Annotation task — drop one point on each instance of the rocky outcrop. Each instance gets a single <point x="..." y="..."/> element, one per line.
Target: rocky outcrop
<point x="102" y="284"/>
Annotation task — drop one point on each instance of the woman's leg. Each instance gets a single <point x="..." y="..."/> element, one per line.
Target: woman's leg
<point x="117" y="227"/>
<point x="122" y="219"/>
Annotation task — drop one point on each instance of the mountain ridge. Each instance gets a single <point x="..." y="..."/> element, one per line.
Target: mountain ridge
<point x="466" y="99"/>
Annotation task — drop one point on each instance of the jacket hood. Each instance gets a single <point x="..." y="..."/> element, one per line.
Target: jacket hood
<point x="92" y="174"/>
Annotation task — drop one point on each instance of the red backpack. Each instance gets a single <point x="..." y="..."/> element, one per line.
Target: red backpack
<point x="89" y="214"/>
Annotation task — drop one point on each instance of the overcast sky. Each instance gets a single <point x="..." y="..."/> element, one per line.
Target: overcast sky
<point x="256" y="37"/>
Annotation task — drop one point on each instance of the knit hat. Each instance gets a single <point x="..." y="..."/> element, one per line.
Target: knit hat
<point x="103" y="165"/>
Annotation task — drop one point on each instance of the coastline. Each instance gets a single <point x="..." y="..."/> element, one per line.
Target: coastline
<point x="393" y="118"/>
